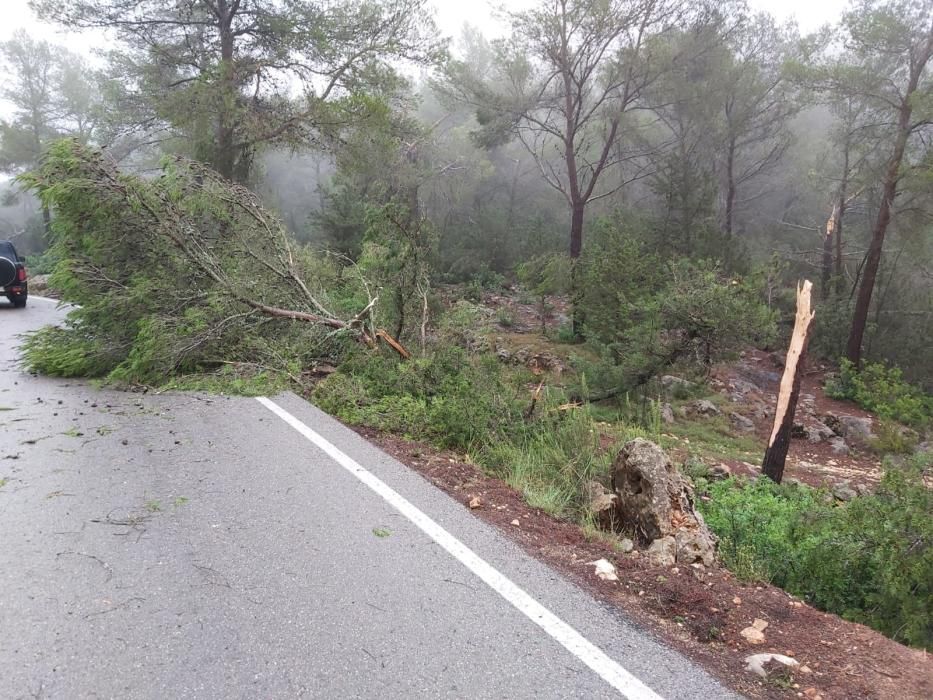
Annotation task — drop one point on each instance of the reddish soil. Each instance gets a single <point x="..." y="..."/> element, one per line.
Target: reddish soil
<point x="699" y="611"/>
<point x="526" y="318"/>
<point x="812" y="463"/>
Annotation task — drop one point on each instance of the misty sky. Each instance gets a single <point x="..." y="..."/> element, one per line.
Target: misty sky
<point x="451" y="15"/>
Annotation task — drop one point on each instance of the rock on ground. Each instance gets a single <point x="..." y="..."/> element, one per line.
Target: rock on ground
<point x="669" y="381"/>
<point x="663" y="552"/>
<point x="38" y="284"/>
<point x="758" y="663"/>
<point x="741" y="422"/>
<point x="704" y="407"/>
<point x="601" y="503"/>
<point x="818" y="432"/>
<point x="853" y="428"/>
<point x="656" y="502"/>
<point x="839" y="446"/>
<point x="843" y="491"/>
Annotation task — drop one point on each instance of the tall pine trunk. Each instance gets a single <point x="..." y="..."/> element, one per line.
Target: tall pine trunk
<point x="225" y="156"/>
<point x="888" y="193"/>
<point x="873" y="258"/>
<point x="730" y="187"/>
<point x="576" y="248"/>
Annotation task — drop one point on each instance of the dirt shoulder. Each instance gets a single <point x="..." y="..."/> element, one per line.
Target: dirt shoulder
<point x="701" y="612"/>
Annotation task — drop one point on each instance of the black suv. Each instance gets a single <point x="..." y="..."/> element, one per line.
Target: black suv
<point x="13" y="275"/>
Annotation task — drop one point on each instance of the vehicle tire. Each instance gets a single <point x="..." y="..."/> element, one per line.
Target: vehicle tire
<point x="7" y="271"/>
<point x="19" y="302"/>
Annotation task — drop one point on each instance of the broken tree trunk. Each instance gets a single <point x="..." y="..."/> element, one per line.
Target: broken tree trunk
<point x="773" y="464"/>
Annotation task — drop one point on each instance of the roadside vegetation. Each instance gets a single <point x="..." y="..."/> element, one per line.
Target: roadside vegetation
<point x="422" y="258"/>
<point x="866" y="560"/>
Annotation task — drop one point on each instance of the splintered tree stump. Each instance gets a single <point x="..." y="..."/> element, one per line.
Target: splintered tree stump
<point x="776" y="454"/>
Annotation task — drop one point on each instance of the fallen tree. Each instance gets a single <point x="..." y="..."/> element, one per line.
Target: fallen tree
<point x="183" y="272"/>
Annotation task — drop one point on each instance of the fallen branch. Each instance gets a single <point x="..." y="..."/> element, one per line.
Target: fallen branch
<point x="393" y="343"/>
<point x="529" y="412"/>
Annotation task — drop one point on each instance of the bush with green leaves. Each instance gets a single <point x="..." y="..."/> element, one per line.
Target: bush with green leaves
<point x="883" y="391"/>
<point x="449" y="397"/>
<point x="545" y="275"/>
<point x="398" y="247"/>
<point x="869" y="560"/>
<point x="696" y="317"/>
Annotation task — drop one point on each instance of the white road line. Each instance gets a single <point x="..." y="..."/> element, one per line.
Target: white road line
<point x="587" y="652"/>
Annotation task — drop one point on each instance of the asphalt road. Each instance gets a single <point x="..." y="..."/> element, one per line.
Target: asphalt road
<point x="192" y="546"/>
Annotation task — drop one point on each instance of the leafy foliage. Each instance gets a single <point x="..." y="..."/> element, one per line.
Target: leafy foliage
<point x="869" y="560"/>
<point x="643" y="317"/>
<point x="172" y="274"/>
<point x="882" y="390"/>
<point x="449" y="398"/>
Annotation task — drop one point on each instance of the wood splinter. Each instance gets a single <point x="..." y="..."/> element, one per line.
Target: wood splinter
<point x="775" y="456"/>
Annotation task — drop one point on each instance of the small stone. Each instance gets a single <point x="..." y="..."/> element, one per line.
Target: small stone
<point x="806" y="669"/>
<point x="669" y="381"/>
<point x="839" y="446"/>
<point x="705" y="407"/>
<point x="626" y="545"/>
<point x="475" y="503"/>
<point x="755" y="633"/>
<point x="843" y="491"/>
<point x="741" y="422"/>
<point x="667" y="414"/>
<point x="737" y="601"/>
<point x="720" y="472"/>
<point x="605" y="570"/>
<point x="662" y="551"/>
<point x="757" y="663"/>
<point x="516" y="522"/>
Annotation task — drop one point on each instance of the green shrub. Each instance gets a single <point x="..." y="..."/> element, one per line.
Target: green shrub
<point x="759" y="526"/>
<point x="450" y="398"/>
<point x="552" y="459"/>
<point x="505" y="318"/>
<point x="893" y="438"/>
<point x="869" y="560"/>
<point x="883" y="391"/>
<point x="42" y="263"/>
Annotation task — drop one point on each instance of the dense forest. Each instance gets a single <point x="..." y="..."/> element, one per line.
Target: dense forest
<point x="334" y="198"/>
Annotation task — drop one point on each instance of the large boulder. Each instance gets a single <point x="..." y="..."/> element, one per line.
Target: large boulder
<point x="855" y="429"/>
<point x="819" y="432"/>
<point x="39" y="284"/>
<point x="655" y="501"/>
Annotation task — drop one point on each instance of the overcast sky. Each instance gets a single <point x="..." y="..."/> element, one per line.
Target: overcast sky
<point x="451" y="15"/>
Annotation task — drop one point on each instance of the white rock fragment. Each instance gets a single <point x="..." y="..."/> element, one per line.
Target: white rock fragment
<point x="605" y="570"/>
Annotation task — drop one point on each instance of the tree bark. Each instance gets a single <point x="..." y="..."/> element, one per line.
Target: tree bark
<point x="826" y="267"/>
<point x="225" y="158"/>
<point x="775" y="457"/>
<point x="840" y="213"/>
<point x="730" y="187"/>
<point x="576" y="247"/>
<point x="889" y="192"/>
<point x="873" y="258"/>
